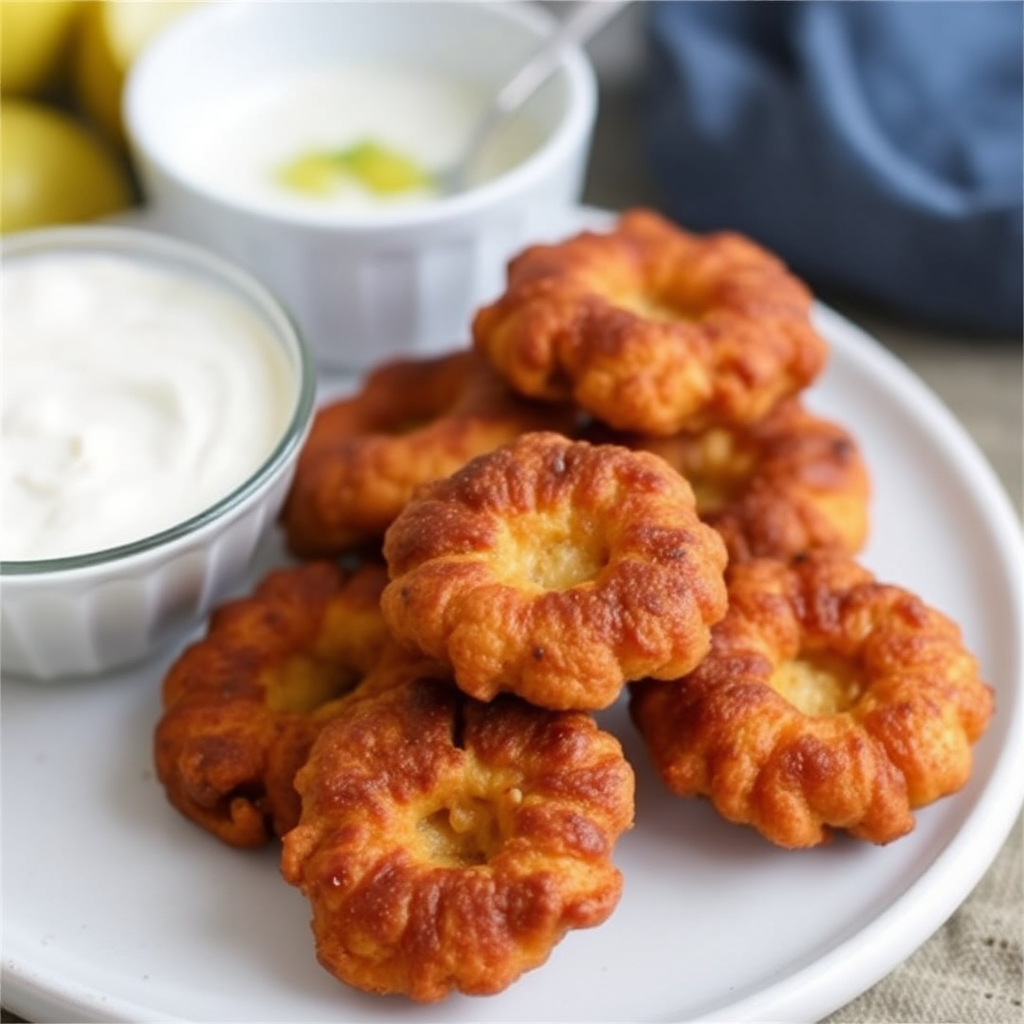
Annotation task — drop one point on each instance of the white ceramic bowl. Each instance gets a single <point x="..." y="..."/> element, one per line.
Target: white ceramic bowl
<point x="85" y="614"/>
<point x="367" y="285"/>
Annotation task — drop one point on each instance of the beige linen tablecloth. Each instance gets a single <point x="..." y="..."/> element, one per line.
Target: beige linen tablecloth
<point x="970" y="971"/>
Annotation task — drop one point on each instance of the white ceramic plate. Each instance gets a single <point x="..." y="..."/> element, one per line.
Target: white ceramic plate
<point x="118" y="909"/>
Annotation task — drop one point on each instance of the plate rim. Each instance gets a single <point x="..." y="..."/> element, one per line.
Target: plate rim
<point x="851" y="966"/>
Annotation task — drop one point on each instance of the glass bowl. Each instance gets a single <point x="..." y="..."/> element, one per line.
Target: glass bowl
<point x="94" y="611"/>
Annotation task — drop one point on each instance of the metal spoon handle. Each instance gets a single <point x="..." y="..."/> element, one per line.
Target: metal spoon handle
<point x="585" y="20"/>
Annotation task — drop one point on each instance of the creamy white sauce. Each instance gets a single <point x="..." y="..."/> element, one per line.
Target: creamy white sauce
<point x="134" y="397"/>
<point x="243" y="139"/>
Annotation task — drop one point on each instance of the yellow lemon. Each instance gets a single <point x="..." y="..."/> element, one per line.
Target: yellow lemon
<point x="35" y="41"/>
<point x="53" y="170"/>
<point x="113" y="33"/>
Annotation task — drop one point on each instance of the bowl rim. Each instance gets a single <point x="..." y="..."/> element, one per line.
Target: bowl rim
<point x="577" y="120"/>
<point x="164" y="249"/>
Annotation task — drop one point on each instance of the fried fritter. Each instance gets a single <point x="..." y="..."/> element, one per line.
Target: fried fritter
<point x="829" y="701"/>
<point x="446" y="844"/>
<point x="556" y="570"/>
<point x="243" y="704"/>
<point x="787" y="485"/>
<point x="652" y="329"/>
<point x="413" y="420"/>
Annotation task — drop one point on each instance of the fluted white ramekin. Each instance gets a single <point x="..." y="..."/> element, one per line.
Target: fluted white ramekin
<point x="368" y="285"/>
<point x="86" y="614"/>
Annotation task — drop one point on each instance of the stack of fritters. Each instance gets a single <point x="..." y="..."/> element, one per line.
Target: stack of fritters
<point x="556" y="570"/>
<point x="617" y="489"/>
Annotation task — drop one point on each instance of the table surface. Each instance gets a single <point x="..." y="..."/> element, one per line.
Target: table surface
<point x="971" y="969"/>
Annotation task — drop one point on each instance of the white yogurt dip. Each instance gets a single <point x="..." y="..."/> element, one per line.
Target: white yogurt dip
<point x="243" y="140"/>
<point x="134" y="397"/>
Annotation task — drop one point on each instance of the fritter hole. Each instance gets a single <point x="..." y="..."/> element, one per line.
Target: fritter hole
<point x="547" y="552"/>
<point x="463" y="835"/>
<point x="818" y="683"/>
<point x="303" y="684"/>
<point x="666" y="308"/>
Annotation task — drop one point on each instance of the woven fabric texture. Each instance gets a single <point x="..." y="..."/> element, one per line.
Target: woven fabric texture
<point x="971" y="971"/>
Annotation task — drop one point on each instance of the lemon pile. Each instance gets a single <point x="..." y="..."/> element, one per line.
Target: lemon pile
<point x="63" y="154"/>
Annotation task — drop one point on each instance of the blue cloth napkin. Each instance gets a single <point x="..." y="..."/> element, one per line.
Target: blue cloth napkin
<point x="876" y="147"/>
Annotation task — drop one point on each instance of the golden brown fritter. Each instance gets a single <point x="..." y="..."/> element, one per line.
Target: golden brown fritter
<point x="413" y="420"/>
<point x="787" y="485"/>
<point x="828" y="701"/>
<point x="446" y="844"/>
<point x="652" y="329"/>
<point x="556" y="570"/>
<point x="243" y="704"/>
